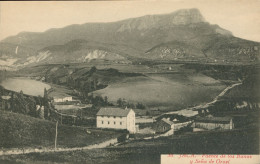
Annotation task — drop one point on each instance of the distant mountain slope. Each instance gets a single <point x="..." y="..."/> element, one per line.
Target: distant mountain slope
<point x="85" y="51"/>
<point x="211" y="48"/>
<point x="181" y="35"/>
<point x="74" y="51"/>
<point x="106" y="32"/>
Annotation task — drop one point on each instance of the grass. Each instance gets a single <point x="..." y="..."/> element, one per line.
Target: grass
<point x="60" y="91"/>
<point x="20" y="131"/>
<point x="244" y="141"/>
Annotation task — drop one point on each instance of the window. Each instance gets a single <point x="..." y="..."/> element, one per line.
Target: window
<point x="114" y="116"/>
<point x="102" y="122"/>
<point x="114" y="122"/>
<point x="120" y="123"/>
<point x="108" y="122"/>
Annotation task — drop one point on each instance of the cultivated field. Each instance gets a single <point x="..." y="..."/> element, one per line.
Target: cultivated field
<point x="60" y="91"/>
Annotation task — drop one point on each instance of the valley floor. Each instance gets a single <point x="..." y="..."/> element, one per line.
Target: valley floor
<point x="241" y="140"/>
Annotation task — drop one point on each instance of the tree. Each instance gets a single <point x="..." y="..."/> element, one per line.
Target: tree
<point x="39" y="100"/>
<point x="46" y="104"/>
<point x="92" y="70"/>
<point x="119" y="102"/>
<point x="99" y="101"/>
<point x="45" y="98"/>
<point x="95" y="81"/>
<point x="12" y="101"/>
<point x="45" y="94"/>
<point x="32" y="107"/>
<point x="106" y="100"/>
<point x="140" y="106"/>
<point x="21" y="93"/>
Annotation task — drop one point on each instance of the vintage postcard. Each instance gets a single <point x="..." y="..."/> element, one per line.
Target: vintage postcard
<point x="149" y="82"/>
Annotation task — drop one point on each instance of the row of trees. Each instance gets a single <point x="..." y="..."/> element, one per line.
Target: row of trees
<point x="123" y="103"/>
<point x="99" y="101"/>
<point x="24" y="104"/>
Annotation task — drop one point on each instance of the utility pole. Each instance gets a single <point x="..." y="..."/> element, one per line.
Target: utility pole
<point x="56" y="135"/>
<point x="81" y="113"/>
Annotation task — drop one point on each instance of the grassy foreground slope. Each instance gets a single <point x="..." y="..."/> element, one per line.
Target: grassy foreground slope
<point x="148" y="151"/>
<point x="20" y="131"/>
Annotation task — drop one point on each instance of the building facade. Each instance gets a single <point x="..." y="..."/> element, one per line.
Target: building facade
<point x="165" y="125"/>
<point x="62" y="99"/>
<point x="210" y="123"/>
<point x="116" y="118"/>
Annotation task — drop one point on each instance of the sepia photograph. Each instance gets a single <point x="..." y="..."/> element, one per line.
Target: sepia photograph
<point x="130" y="82"/>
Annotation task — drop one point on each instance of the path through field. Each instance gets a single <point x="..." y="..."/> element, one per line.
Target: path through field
<point x="45" y="150"/>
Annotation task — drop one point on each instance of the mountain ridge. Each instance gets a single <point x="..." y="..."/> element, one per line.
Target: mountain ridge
<point x="118" y="25"/>
<point x="185" y="33"/>
<point x="193" y="10"/>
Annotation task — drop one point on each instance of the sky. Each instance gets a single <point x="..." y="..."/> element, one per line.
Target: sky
<point x="241" y="17"/>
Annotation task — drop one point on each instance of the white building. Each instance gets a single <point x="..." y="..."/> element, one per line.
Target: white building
<point x="116" y="118"/>
<point x="62" y="99"/>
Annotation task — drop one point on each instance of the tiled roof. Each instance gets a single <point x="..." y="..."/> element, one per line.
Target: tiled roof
<point x="167" y="121"/>
<point x="6" y="97"/>
<point x="213" y="119"/>
<point x="113" y="112"/>
<point x="61" y="96"/>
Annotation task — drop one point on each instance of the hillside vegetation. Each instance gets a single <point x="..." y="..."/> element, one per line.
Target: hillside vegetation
<point x="21" y="131"/>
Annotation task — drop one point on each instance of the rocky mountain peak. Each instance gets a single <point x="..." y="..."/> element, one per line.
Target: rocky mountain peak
<point x="186" y="16"/>
<point x="180" y="17"/>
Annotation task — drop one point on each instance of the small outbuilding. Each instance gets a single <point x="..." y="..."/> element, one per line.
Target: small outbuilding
<point x="211" y="123"/>
<point x="167" y="124"/>
<point x="62" y="98"/>
<point x="163" y="125"/>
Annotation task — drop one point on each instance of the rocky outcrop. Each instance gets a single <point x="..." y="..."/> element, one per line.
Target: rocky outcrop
<point x="180" y="17"/>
